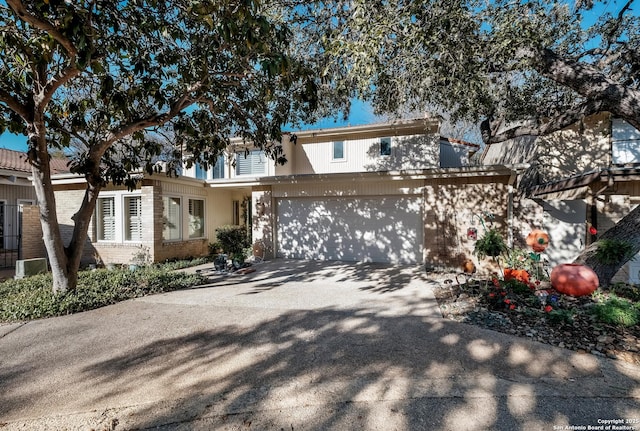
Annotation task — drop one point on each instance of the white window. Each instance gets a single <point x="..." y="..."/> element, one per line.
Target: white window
<point x="196" y="218"/>
<point x="133" y="218"/>
<point x="252" y="163"/>
<point x="625" y="143"/>
<point x="119" y="217"/>
<point x="338" y="150"/>
<point x="106" y="219"/>
<point x="172" y="220"/>
<point x="385" y="146"/>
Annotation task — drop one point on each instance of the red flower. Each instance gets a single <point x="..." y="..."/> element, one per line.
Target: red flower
<point x="512" y="307"/>
<point x="593" y="230"/>
<point x="507" y="301"/>
<point x="503" y="293"/>
<point x="548" y="308"/>
<point x="495" y="282"/>
<point x="492" y="294"/>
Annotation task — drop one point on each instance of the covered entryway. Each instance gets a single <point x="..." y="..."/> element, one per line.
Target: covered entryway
<point x="362" y="229"/>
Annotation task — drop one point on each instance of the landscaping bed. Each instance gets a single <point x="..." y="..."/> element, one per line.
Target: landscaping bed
<point x="604" y="323"/>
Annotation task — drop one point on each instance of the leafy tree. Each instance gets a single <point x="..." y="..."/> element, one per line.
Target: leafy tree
<point x="516" y="67"/>
<point x="110" y="77"/>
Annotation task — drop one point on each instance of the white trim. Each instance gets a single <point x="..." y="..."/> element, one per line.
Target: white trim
<point x="335" y="159"/>
<point x="119" y="209"/>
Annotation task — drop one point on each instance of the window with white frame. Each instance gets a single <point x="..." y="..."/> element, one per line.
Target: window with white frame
<point x="133" y="218"/>
<point x="106" y="219"/>
<point x="338" y="150"/>
<point x="251" y="163"/>
<point x="196" y="218"/>
<point x="171" y="218"/>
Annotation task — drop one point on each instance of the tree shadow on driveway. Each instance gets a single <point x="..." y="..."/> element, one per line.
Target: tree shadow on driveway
<point x="382" y="361"/>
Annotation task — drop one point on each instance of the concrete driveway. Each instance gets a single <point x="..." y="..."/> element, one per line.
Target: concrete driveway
<point x="299" y="346"/>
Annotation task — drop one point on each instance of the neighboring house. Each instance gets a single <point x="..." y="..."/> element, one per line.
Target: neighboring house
<point x="586" y="175"/>
<point x="16" y="190"/>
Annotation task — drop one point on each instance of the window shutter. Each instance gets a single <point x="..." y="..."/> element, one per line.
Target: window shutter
<point x="133" y="218"/>
<point x="253" y="164"/>
<point x="106" y="219"/>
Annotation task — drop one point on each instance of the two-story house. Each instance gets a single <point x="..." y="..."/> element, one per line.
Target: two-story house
<point x="362" y="193"/>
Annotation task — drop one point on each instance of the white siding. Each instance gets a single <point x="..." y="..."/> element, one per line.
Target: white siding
<point x="363" y="155"/>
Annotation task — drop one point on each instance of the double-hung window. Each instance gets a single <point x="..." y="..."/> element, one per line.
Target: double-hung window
<point x="106" y="219"/>
<point x="172" y="218"/>
<point x="196" y="218"/>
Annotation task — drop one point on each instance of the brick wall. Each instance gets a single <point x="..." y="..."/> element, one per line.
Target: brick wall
<point x="32" y="243"/>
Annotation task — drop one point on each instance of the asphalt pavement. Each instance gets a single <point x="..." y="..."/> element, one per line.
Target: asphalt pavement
<point x="300" y="345"/>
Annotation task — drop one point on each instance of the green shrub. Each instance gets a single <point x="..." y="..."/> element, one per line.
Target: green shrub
<point x="617" y="311"/>
<point x="33" y="298"/>
<point x="613" y="251"/>
<point x="234" y="240"/>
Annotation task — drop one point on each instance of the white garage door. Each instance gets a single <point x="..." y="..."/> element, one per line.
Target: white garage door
<point x="387" y="229"/>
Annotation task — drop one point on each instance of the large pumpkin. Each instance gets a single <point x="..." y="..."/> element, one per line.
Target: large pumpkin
<point x="538" y="240"/>
<point x="516" y="274"/>
<point x="574" y="279"/>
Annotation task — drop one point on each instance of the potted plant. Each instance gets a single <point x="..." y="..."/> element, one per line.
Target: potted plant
<point x="490" y="244"/>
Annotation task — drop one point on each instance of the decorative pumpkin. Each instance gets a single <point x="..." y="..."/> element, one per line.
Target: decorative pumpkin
<point x="574" y="279"/>
<point x="538" y="240"/>
<point x="516" y="274"/>
<point x="469" y="267"/>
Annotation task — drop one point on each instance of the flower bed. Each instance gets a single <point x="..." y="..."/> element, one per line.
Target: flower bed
<point x="602" y="324"/>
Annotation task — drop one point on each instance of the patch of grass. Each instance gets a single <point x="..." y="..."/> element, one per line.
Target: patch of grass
<point x="558" y="317"/>
<point x="617" y="311"/>
<point x="32" y="297"/>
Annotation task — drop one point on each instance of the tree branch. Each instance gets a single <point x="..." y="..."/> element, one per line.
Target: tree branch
<point x="588" y="81"/>
<point x="63" y="77"/>
<point x="15" y="105"/>
<point x="43" y="25"/>
<point x="491" y="133"/>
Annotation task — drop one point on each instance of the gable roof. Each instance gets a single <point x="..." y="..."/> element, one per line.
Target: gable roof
<point x="11" y="160"/>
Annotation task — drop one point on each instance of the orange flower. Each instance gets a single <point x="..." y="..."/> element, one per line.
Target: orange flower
<point x="538" y="240"/>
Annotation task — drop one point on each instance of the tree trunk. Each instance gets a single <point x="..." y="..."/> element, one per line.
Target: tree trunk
<point x="64" y="261"/>
<point x="628" y="230"/>
<point x="51" y="229"/>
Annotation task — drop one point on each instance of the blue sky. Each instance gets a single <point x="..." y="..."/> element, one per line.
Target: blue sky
<point x="361" y="113"/>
